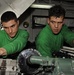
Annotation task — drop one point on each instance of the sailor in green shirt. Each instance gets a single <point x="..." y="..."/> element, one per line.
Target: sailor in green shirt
<point x="51" y="38"/>
<point x="12" y="39"/>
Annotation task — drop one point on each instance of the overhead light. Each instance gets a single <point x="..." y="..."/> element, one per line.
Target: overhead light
<point x="43" y="6"/>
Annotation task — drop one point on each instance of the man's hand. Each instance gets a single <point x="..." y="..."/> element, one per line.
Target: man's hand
<point x="3" y="51"/>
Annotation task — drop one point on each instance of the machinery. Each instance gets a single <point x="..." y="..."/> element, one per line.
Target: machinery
<point x="30" y="62"/>
<point x="8" y="67"/>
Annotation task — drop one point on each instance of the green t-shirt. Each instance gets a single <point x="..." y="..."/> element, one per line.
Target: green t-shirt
<point x="15" y="44"/>
<point x="47" y="42"/>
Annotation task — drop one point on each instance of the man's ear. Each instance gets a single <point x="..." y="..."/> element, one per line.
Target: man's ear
<point x="63" y="21"/>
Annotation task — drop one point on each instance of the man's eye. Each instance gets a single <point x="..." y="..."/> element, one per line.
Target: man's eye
<point x="13" y="26"/>
<point x="5" y="27"/>
<point x="52" y="22"/>
<point x="60" y="22"/>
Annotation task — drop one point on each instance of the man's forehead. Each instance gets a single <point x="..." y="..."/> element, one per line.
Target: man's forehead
<point x="9" y="23"/>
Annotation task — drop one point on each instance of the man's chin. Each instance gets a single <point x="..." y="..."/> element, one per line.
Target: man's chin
<point x="56" y="33"/>
<point x="12" y="36"/>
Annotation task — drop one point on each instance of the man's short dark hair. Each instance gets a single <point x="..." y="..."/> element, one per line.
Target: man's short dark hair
<point x="7" y="16"/>
<point x="56" y="11"/>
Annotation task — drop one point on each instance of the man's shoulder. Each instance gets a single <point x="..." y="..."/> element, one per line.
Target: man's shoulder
<point x="2" y="34"/>
<point x="65" y="27"/>
<point x="44" y="33"/>
<point x="23" y="31"/>
<point x="46" y="30"/>
<point x="2" y="31"/>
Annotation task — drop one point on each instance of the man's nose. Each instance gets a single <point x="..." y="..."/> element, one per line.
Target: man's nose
<point x="10" y="30"/>
<point x="56" y="25"/>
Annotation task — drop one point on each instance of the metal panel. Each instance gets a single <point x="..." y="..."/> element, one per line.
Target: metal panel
<point x="18" y="6"/>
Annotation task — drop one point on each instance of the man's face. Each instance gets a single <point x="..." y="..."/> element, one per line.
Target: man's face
<point x="56" y="24"/>
<point x="11" y="27"/>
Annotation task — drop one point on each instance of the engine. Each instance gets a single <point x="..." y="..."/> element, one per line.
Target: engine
<point x="30" y="62"/>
